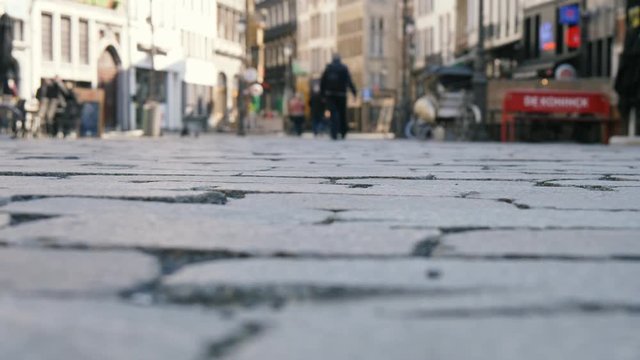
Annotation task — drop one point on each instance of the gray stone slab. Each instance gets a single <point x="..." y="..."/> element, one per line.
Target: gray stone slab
<point x="548" y="281"/>
<point x="240" y="226"/>
<point x="5" y="219"/>
<point x="573" y="243"/>
<point x="443" y="212"/>
<point x="38" y="271"/>
<point x="386" y="330"/>
<point x="33" y="329"/>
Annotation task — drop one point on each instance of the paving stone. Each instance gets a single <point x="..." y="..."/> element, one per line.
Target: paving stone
<point x="444" y="212"/>
<point x="239" y="227"/>
<point x="39" y="329"/>
<point x="548" y="281"/>
<point x="573" y="243"/>
<point x="388" y="330"/>
<point x="5" y="220"/>
<point x="37" y="271"/>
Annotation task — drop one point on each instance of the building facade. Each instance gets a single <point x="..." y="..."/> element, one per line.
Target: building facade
<point x="317" y="34"/>
<point x="502" y="23"/>
<point x="84" y="43"/>
<point x="195" y="49"/>
<point x="195" y="63"/>
<point x="280" y="50"/>
<point x="569" y="34"/>
<point x="435" y="32"/>
<point x="367" y="40"/>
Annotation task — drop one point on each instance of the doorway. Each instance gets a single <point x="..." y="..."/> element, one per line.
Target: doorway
<point x="108" y="68"/>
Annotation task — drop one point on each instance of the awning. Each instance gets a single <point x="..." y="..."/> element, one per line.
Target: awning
<point x="532" y="71"/>
<point x="535" y="68"/>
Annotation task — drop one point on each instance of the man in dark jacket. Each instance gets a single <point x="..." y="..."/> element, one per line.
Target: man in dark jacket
<point x="335" y="82"/>
<point x="627" y="82"/>
<point x="6" y="47"/>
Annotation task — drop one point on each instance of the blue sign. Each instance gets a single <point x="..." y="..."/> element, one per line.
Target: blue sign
<point x="366" y="94"/>
<point x="547" y="37"/>
<point x="570" y="15"/>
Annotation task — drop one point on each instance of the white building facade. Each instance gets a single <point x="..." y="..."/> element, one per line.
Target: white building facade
<point x="317" y="34"/>
<point x="435" y="25"/>
<point x="83" y="44"/>
<point x="107" y="44"/>
<point x="196" y="58"/>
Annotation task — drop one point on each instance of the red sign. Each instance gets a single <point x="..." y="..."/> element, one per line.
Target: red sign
<point x="541" y="101"/>
<point x="573" y="37"/>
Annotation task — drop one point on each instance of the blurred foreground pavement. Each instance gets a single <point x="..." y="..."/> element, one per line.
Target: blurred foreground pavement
<point x="283" y="248"/>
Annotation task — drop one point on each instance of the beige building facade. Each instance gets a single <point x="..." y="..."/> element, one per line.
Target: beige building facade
<point x="367" y="40"/>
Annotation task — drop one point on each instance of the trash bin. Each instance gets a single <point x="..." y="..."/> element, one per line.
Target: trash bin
<point x="151" y="119"/>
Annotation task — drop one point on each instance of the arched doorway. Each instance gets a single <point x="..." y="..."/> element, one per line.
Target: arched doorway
<point x="108" y="67"/>
<point x="220" y="100"/>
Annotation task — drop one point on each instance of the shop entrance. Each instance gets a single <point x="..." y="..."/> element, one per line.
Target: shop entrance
<point x="108" y="68"/>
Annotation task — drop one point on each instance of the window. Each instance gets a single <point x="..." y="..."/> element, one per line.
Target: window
<point x="18" y="30"/>
<point x="65" y="39"/>
<point x="84" y="41"/>
<point x="376" y="37"/>
<point x="508" y="30"/>
<point x="527" y="38"/>
<point x="47" y="37"/>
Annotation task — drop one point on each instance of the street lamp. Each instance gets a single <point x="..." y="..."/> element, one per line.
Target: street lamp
<point x="241" y="27"/>
<point x="408" y="28"/>
<point x="288" y="53"/>
<point x="480" y="67"/>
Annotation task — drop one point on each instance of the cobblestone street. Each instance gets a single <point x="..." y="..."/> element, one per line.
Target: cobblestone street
<point x="283" y="248"/>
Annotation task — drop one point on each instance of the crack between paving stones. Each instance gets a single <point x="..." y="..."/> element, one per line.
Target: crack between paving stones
<point x="66" y="175"/>
<point x="462" y="229"/>
<point x="525" y="311"/>
<point x="17" y="219"/>
<point x="221" y="348"/>
<point x="277" y="296"/>
<point x="540" y="257"/>
<point x="551" y="183"/>
<point x="211" y="198"/>
<point x="521" y="206"/>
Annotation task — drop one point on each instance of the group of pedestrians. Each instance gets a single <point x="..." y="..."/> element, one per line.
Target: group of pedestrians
<point x="328" y="100"/>
<point x="59" y="110"/>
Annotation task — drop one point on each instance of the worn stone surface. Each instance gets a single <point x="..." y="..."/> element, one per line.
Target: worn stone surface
<point x="386" y="329"/>
<point x="558" y="243"/>
<point x="36" y="329"/>
<point x="5" y="219"/>
<point x="242" y="226"/>
<point x="65" y="272"/>
<point x="550" y="280"/>
<point x="287" y="248"/>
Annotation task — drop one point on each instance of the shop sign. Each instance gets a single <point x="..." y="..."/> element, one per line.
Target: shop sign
<point x="547" y="37"/>
<point x="556" y="102"/>
<point x="366" y="95"/>
<point x="573" y="37"/>
<point x="570" y="15"/>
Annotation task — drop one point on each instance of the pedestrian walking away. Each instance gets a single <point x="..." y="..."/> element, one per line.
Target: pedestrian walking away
<point x="296" y="113"/>
<point x="335" y="82"/>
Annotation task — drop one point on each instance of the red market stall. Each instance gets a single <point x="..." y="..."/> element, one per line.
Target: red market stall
<point x="555" y="106"/>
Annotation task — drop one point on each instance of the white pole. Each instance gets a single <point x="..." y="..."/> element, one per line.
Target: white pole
<point x="632" y="122"/>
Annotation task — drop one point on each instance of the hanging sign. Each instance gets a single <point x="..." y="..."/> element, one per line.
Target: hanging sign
<point x="570" y="15"/>
<point x="547" y="37"/>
